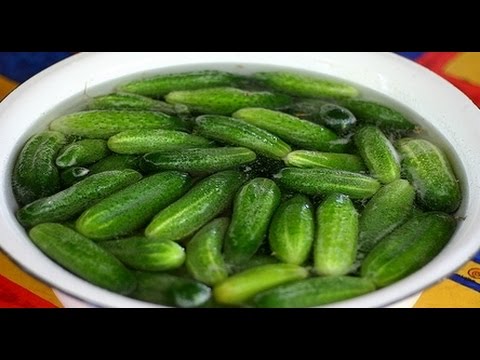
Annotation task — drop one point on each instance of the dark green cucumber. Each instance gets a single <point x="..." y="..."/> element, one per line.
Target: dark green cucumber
<point x="237" y="132"/>
<point x="140" y="253"/>
<point x="430" y="172"/>
<point x="82" y="152"/>
<point x="207" y="199"/>
<point x="125" y="101"/>
<point x="70" y="202"/>
<point x="313" y="292"/>
<point x="292" y="230"/>
<point x="115" y="162"/>
<point x="408" y="248"/>
<point x="314" y="159"/>
<point x="73" y="175"/>
<point x="204" y="253"/>
<point x="35" y="174"/>
<point x="83" y="257"/>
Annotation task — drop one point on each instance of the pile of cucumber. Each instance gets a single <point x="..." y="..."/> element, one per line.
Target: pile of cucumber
<point x="214" y="189"/>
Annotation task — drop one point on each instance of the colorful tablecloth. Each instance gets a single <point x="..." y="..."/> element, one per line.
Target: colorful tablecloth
<point x="18" y="289"/>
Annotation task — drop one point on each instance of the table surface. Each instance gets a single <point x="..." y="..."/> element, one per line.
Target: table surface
<point x="18" y="289"/>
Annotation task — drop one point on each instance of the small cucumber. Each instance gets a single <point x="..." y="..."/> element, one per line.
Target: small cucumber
<point x="292" y="230"/>
<point x="255" y="261"/>
<point x="226" y="100"/>
<point x="336" y="239"/>
<point x="140" y="253"/>
<point x="130" y="209"/>
<point x="204" y="253"/>
<point x="201" y="204"/>
<point x="327" y="181"/>
<point x="305" y="85"/>
<point x="296" y="131"/>
<point x="237" y="132"/>
<point x="115" y="162"/>
<point x="73" y="175"/>
<point x="198" y="160"/>
<point x="35" y="174"/>
<point x="314" y="159"/>
<point x="82" y="152"/>
<point x="102" y="124"/>
<point x="313" y="292"/>
<point x="408" y="248"/>
<point x="144" y="141"/>
<point x="125" y="101"/>
<point x="253" y="209"/>
<point x="241" y="287"/>
<point x="83" y="257"/>
<point x="428" y="169"/>
<point x="378" y="154"/>
<point x="70" y="202"/>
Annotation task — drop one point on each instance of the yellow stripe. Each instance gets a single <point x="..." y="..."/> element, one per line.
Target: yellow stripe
<point x="6" y="86"/>
<point x="465" y="66"/>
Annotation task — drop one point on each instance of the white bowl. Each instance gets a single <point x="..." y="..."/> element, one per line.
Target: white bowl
<point x="447" y="113"/>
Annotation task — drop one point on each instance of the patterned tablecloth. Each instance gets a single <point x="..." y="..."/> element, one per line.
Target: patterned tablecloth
<point x="18" y="289"/>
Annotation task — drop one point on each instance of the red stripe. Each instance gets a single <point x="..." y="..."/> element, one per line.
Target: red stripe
<point x="15" y="296"/>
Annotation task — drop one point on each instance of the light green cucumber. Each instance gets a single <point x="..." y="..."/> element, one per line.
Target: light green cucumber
<point x="237" y="132"/>
<point x="115" y="162"/>
<point x="408" y="248"/>
<point x="204" y="253"/>
<point x="255" y="261"/>
<point x="198" y="160"/>
<point x="125" y="101"/>
<point x="427" y="167"/>
<point x="226" y="100"/>
<point x="70" y="202"/>
<point x="378" y="154"/>
<point x="82" y="152"/>
<point x="207" y="199"/>
<point x="296" y="131"/>
<point x="140" y="253"/>
<point x="83" y="257"/>
<point x="324" y="181"/>
<point x="35" y="174"/>
<point x="241" y="287"/>
<point x="292" y="230"/>
<point x="102" y="124"/>
<point x="313" y="292"/>
<point x="315" y="159"/>
<point x="73" y="175"/>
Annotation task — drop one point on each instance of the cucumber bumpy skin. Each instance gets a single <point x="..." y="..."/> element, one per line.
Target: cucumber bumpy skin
<point x="73" y="175"/>
<point x="315" y="159"/>
<point x="115" y="162"/>
<point x="125" y="101"/>
<point x="82" y="153"/>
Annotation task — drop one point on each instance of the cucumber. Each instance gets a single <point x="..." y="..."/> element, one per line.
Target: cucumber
<point x="147" y="140"/>
<point x="305" y="85"/>
<point x="315" y="159"/>
<point x="198" y="160"/>
<point x="201" y="204"/>
<point x="292" y="230"/>
<point x="83" y="257"/>
<point x="70" y="202"/>
<point x="115" y="162"/>
<point x="204" y="253"/>
<point x="255" y="261"/>
<point x="226" y="100"/>
<point x="327" y="181"/>
<point x="241" y="287"/>
<point x="296" y="131"/>
<point x="378" y="154"/>
<point x="73" y="175"/>
<point x="253" y="209"/>
<point x="237" y="132"/>
<point x="35" y="174"/>
<point x="313" y="292"/>
<point x="140" y="253"/>
<point x="82" y="152"/>
<point x="336" y="239"/>
<point x="125" y="101"/>
<point x="133" y="207"/>
<point x="170" y="290"/>
<point x="427" y="167"/>
<point x="408" y="248"/>
<point x="102" y="124"/>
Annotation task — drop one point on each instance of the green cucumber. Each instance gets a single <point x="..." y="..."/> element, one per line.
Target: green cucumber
<point x="292" y="230"/>
<point x="204" y="253"/>
<point x="140" y="253"/>
<point x="236" y="132"/>
<point x="198" y="160"/>
<point x="255" y="261"/>
<point x="125" y="101"/>
<point x="313" y="292"/>
<point x="315" y="159"/>
<point x="253" y="209"/>
<point x="73" y="175"/>
<point x="408" y="248"/>
<point x="115" y="162"/>
<point x="241" y="287"/>
<point x="102" y="124"/>
<point x="427" y="167"/>
<point x="35" y="174"/>
<point x="207" y="199"/>
<point x="82" y="152"/>
<point x="70" y="202"/>
<point x="83" y="257"/>
<point x="133" y="207"/>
